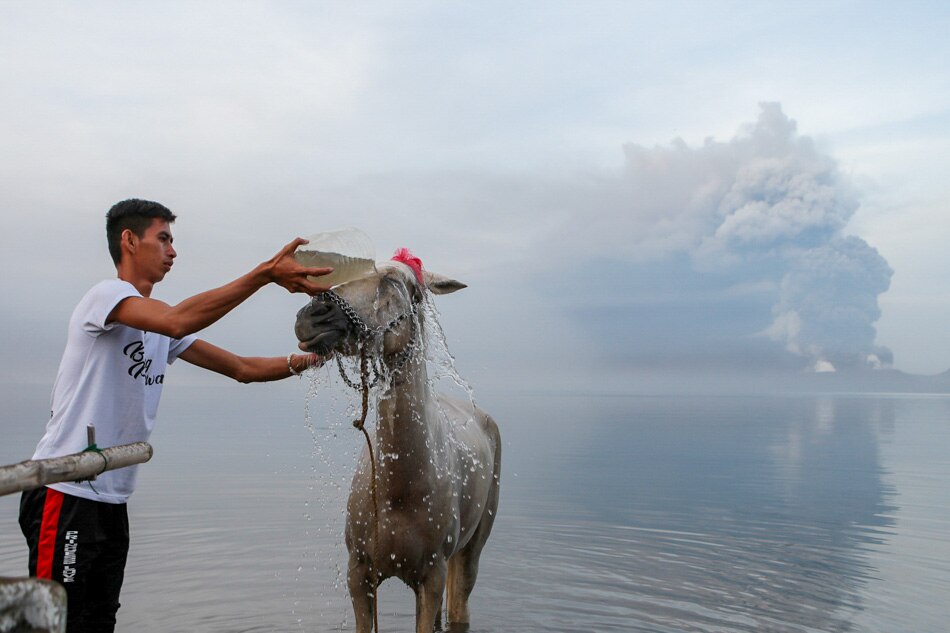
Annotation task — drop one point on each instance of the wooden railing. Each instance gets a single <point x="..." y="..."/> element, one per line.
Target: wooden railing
<point x="30" y="604"/>
<point x="34" y="473"/>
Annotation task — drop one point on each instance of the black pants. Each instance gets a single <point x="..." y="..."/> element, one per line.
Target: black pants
<point x="82" y="545"/>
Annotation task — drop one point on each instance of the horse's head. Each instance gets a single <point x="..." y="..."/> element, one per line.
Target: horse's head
<point x="379" y="308"/>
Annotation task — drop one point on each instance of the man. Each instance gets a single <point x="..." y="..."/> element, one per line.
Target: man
<point x="111" y="375"/>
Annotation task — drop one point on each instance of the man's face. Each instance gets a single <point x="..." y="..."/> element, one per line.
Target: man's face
<point x="155" y="254"/>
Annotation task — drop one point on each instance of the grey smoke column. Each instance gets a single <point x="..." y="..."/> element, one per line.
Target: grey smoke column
<point x="767" y="207"/>
<point x="828" y="303"/>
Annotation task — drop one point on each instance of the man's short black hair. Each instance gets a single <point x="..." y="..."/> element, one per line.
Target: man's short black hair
<point x="135" y="215"/>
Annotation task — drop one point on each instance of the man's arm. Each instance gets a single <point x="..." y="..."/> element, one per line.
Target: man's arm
<point x="247" y="369"/>
<point x="200" y="311"/>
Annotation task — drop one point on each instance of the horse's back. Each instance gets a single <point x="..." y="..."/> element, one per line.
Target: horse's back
<point x="461" y="412"/>
<point x="468" y="419"/>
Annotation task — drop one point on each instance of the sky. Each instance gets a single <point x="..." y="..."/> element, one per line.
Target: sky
<point x="629" y="189"/>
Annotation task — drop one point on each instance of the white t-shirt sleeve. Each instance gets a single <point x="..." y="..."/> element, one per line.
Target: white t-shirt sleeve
<point x="101" y="301"/>
<point x="179" y="345"/>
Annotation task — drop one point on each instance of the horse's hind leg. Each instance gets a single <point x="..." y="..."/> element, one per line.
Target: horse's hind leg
<point x="463" y="570"/>
<point x="463" y="567"/>
<point x="429" y="599"/>
<point x="362" y="595"/>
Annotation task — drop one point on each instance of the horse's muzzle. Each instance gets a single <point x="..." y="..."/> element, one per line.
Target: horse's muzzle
<point x="320" y="326"/>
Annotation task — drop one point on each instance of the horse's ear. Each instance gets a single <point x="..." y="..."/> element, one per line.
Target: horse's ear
<point x="440" y="284"/>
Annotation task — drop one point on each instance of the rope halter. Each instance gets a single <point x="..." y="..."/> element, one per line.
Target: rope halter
<point x="367" y="334"/>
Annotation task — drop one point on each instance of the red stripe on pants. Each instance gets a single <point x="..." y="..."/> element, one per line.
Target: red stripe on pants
<point x="48" y="529"/>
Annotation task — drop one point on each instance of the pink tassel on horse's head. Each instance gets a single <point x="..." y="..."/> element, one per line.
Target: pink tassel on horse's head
<point x="406" y="257"/>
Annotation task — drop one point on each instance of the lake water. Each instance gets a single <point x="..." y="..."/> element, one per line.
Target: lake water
<point x="674" y="513"/>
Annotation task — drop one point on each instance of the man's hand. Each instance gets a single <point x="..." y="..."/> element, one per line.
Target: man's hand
<point x="283" y="270"/>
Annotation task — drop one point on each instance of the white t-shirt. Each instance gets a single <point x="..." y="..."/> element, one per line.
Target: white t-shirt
<point x="110" y="376"/>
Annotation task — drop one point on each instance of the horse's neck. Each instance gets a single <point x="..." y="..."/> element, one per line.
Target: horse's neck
<point x="403" y="434"/>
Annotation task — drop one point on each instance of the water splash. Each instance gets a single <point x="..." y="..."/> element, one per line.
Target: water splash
<point x="327" y="410"/>
<point x="440" y="361"/>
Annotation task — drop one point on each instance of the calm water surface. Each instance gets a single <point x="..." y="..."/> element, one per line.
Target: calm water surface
<point x="674" y="513"/>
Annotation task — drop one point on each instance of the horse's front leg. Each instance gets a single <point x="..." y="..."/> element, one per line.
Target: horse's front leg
<point x="429" y="598"/>
<point x="362" y="594"/>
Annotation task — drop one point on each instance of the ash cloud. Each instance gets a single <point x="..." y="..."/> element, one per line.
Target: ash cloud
<point x="828" y="304"/>
<point x="766" y="210"/>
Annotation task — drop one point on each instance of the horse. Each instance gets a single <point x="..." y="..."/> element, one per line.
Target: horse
<point x="437" y="465"/>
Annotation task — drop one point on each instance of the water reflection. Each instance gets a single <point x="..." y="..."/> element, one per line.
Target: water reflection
<point x="617" y="514"/>
<point x="724" y="514"/>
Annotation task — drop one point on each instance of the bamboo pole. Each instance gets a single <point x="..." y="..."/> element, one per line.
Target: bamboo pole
<point x="40" y="472"/>
<point x="31" y="604"/>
